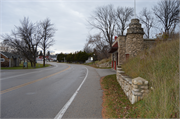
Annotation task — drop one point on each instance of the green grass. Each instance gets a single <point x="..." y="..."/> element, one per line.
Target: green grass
<point x="160" y="66"/>
<point x="29" y="66"/>
<point x="116" y="103"/>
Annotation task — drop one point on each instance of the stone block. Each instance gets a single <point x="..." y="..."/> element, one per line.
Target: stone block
<point x="127" y="93"/>
<point x="136" y="90"/>
<point x="140" y="81"/>
<point x="134" y="99"/>
<point x="146" y="82"/>
<point x="126" y="88"/>
<point x="119" y="66"/>
<point x="125" y="76"/>
<point x="136" y="93"/>
<point x="144" y="87"/>
<point x="129" y="80"/>
<point x="137" y="81"/>
<point x="119" y="69"/>
<point x="121" y="72"/>
<point x="134" y="86"/>
<point x="144" y="91"/>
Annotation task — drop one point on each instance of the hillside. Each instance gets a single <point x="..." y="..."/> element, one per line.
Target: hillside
<point x="160" y="66"/>
<point x="103" y="64"/>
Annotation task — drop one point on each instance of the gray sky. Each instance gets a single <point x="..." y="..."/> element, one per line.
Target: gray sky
<point x="68" y="16"/>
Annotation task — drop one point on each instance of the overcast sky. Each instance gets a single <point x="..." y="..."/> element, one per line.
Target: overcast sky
<point x="68" y="16"/>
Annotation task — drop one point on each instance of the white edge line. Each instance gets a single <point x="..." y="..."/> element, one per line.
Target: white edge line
<point x="27" y="73"/>
<point x="63" y="110"/>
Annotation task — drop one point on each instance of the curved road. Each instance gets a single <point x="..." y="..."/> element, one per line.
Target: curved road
<point x="59" y="91"/>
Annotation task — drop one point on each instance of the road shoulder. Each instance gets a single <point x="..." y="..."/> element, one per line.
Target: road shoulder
<point x="88" y="101"/>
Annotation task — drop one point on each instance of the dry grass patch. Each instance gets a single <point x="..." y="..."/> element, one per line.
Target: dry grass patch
<point x="115" y="102"/>
<point x="160" y="66"/>
<point x="94" y="64"/>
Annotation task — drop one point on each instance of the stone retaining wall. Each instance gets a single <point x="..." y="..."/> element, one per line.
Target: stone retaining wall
<point x="121" y="49"/>
<point x="106" y="64"/>
<point x="135" y="89"/>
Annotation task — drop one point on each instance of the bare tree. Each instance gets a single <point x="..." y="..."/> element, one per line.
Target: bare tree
<point x="147" y="19"/>
<point x="40" y="54"/>
<point x="123" y="16"/>
<point x="97" y="42"/>
<point x="104" y="19"/>
<point x="167" y="12"/>
<point x="87" y="48"/>
<point x="47" y="33"/>
<point x="25" y="39"/>
<point x="4" y="47"/>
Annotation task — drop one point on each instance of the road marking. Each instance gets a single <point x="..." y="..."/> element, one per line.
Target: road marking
<point x="25" y="84"/>
<point x="63" y="110"/>
<point x="26" y="73"/>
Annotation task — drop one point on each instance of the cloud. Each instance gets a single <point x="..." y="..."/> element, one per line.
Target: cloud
<point x="68" y="16"/>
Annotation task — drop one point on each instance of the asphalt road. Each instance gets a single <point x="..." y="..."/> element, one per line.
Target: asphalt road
<point x="61" y="91"/>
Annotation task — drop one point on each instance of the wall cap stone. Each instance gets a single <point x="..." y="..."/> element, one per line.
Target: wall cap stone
<point x="121" y="72"/>
<point x="129" y="80"/>
<point x="119" y="68"/>
<point x="139" y="81"/>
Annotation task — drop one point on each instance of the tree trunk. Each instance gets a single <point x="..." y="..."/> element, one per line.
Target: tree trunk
<point x="122" y="32"/>
<point x="44" y="58"/>
<point x="27" y="63"/>
<point x="35" y="60"/>
<point x="35" y="64"/>
<point x="23" y="64"/>
<point x="31" y="64"/>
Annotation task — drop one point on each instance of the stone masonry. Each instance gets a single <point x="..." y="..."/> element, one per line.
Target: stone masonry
<point x="131" y="43"/>
<point x="121" y="49"/>
<point x="135" y="89"/>
<point x="127" y="46"/>
<point x="134" y="38"/>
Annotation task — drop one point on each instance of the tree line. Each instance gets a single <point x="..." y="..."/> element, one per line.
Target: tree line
<point x="26" y="38"/>
<point x="110" y="22"/>
<point x="80" y="57"/>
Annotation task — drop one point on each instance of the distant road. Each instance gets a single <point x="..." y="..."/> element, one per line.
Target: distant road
<point x="61" y="91"/>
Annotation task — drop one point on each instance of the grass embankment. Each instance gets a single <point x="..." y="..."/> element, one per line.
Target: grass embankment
<point x="160" y="66"/>
<point x="96" y="63"/>
<point x="29" y="66"/>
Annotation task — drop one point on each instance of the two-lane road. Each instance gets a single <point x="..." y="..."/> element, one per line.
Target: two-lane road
<point x="62" y="90"/>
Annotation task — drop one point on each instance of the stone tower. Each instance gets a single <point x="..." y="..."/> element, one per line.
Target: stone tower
<point x="134" y="38"/>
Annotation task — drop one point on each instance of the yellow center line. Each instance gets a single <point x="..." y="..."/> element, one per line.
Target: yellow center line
<point x="25" y="84"/>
